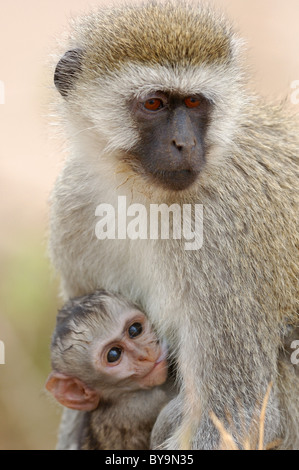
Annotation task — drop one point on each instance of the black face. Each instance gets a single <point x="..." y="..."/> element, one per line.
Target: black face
<point x="172" y="130"/>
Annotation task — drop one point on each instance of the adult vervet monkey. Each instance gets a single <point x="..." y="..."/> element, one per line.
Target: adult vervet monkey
<point x="156" y="110"/>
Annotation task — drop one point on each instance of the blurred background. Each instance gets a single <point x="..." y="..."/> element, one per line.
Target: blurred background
<point x="30" y="160"/>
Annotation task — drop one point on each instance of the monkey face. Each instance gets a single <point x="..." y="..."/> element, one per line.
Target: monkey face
<point x="150" y="111"/>
<point x="103" y="347"/>
<point x="133" y="357"/>
<point x="172" y="129"/>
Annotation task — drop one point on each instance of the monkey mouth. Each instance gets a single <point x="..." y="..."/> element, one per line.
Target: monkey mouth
<point x="160" y="359"/>
<point x="177" y="180"/>
<point x="158" y="372"/>
<point x="164" y="351"/>
<point x="160" y="364"/>
<point x="173" y="180"/>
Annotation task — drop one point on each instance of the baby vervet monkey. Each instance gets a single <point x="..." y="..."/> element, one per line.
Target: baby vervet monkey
<point x="108" y="363"/>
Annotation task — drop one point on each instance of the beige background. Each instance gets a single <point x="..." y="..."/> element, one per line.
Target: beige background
<point x="29" y="163"/>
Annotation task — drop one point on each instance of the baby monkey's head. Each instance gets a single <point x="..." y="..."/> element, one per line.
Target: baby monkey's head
<point x="103" y="347"/>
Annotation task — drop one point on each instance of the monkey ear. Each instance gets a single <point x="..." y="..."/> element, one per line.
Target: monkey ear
<point x="72" y="392"/>
<point x="67" y="70"/>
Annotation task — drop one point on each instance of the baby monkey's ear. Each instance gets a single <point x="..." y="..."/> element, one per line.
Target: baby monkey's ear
<point x="72" y="392"/>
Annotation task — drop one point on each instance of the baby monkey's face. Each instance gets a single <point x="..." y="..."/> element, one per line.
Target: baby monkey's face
<point x="132" y="357"/>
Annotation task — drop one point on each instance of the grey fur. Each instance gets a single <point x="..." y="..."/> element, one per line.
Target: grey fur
<point x="221" y="308"/>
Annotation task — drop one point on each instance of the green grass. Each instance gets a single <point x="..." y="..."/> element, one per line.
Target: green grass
<point x="28" y="307"/>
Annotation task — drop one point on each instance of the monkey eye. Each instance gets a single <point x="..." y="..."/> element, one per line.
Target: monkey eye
<point x="192" y="102"/>
<point x="153" y="104"/>
<point x="114" y="354"/>
<point x="135" y="330"/>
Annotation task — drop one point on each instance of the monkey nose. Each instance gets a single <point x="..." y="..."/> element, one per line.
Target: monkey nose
<point x="184" y="155"/>
<point x="182" y="145"/>
<point x="139" y="354"/>
<point x="147" y="354"/>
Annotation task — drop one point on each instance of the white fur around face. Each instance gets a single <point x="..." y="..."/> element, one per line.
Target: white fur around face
<point x="103" y="106"/>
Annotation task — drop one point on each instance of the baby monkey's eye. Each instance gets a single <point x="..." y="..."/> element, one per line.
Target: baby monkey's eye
<point x="114" y="354"/>
<point x="135" y="330"/>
